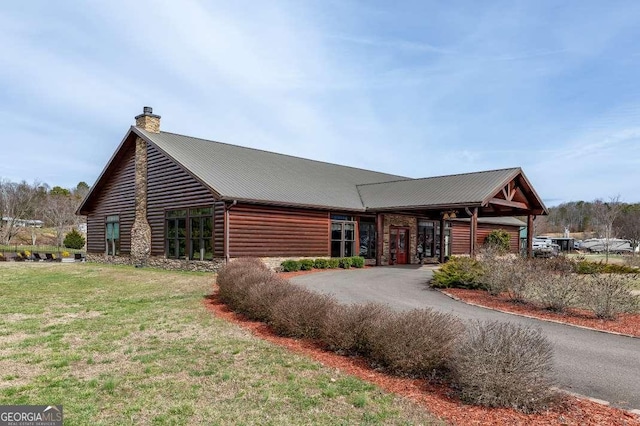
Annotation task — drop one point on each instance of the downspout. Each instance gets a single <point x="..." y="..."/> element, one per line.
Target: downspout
<point x="226" y="228"/>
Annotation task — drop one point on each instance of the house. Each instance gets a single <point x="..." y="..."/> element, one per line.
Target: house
<point x="181" y="202"/>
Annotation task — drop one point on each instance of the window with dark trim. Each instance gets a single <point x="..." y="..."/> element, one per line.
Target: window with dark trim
<point x="367" y="231"/>
<point x="112" y="235"/>
<point x="189" y="233"/>
<point x="343" y="236"/>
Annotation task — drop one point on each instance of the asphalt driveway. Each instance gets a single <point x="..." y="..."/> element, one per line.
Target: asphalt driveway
<point x="598" y="365"/>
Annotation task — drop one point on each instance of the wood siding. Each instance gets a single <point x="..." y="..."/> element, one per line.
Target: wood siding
<point x="115" y="197"/>
<point x="261" y="231"/>
<point x="169" y="188"/>
<point x="460" y="236"/>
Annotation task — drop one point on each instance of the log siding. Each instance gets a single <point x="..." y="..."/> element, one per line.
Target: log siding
<point x="116" y="197"/>
<point x="262" y="231"/>
<point x="460" y="232"/>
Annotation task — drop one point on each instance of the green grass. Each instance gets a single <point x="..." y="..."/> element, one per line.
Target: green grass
<point x="118" y="345"/>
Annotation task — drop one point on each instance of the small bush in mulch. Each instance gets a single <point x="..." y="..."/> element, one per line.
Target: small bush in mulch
<point x="608" y="295"/>
<point x="301" y="313"/>
<point x="334" y="262"/>
<point x="417" y="343"/>
<point x="349" y="328"/>
<point x="263" y="296"/>
<point x="237" y="277"/>
<point x="345" y="262"/>
<point x="557" y="291"/>
<point x="290" y="266"/>
<point x="498" y="240"/>
<point x="357" y="261"/>
<point x="504" y="365"/>
<point x="321" y="263"/>
<point x="460" y="272"/>
<point x="306" y="264"/>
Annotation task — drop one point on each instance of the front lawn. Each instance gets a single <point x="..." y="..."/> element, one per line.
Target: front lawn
<point x="118" y="345"/>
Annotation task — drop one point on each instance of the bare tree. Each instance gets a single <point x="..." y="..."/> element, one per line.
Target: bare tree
<point x="18" y="202"/>
<point x="604" y="215"/>
<point x="628" y="224"/>
<point x="59" y="210"/>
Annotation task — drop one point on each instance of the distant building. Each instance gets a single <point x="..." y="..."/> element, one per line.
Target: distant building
<point x="24" y="222"/>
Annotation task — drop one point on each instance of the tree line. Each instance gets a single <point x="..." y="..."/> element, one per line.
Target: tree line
<point x="598" y="219"/>
<point x="23" y="201"/>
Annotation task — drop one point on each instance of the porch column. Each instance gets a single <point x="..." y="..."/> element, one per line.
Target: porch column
<point x="530" y="235"/>
<point x="442" y="240"/>
<point x="473" y="233"/>
<point x="379" y="238"/>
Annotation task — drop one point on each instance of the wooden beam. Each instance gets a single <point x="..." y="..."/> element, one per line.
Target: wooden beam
<point x="379" y="238"/>
<point x="530" y="235"/>
<point x="442" y="240"/>
<point x="514" y="204"/>
<point x="473" y="233"/>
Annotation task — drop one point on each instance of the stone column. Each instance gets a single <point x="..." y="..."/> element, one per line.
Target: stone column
<point x="141" y="231"/>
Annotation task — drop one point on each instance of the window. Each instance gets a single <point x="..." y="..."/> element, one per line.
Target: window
<point x="189" y="233"/>
<point x="367" y="230"/>
<point x="112" y="237"/>
<point x="343" y="235"/>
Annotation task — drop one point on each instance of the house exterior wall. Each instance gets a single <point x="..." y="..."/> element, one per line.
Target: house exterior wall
<point x="169" y="187"/>
<point x="460" y="232"/>
<point x="276" y="232"/>
<point x="116" y="197"/>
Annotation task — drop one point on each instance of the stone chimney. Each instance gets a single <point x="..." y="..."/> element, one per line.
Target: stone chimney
<point x="148" y="120"/>
<point x="141" y="231"/>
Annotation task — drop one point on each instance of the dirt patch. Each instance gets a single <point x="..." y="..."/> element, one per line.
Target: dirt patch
<point x="437" y="399"/>
<point x="626" y="324"/>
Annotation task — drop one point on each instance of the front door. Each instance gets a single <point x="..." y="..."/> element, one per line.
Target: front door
<point x="399" y="245"/>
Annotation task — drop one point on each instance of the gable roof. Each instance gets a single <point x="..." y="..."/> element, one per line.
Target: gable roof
<point x="234" y="172"/>
<point x="247" y="174"/>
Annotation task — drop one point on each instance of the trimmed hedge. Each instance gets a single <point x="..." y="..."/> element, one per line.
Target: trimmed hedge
<point x="495" y="365"/>
<point x="321" y="263"/>
<point x="290" y="266"/>
<point x="306" y="264"/>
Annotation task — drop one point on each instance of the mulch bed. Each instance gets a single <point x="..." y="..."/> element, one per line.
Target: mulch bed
<point x="437" y="399"/>
<point x="626" y="323"/>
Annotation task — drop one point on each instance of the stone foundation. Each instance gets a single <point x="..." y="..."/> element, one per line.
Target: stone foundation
<point x="161" y="262"/>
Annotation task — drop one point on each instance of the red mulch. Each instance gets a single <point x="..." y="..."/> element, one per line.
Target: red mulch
<point x="437" y="399"/>
<point x="626" y="323"/>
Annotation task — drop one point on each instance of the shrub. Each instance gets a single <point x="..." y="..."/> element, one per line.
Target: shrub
<point x="236" y="277"/>
<point x="556" y="291"/>
<point x="349" y="329"/>
<point x="504" y="365"/>
<point x="462" y="272"/>
<point x="74" y="240"/>
<point x="306" y="264"/>
<point x="498" y="239"/>
<point x="586" y="267"/>
<point x="357" y="262"/>
<point x="345" y="262"/>
<point x="321" y="263"/>
<point x="334" y="262"/>
<point x="417" y="342"/>
<point x="301" y="313"/>
<point x="608" y="295"/>
<point x="290" y="266"/>
<point x="260" y="298"/>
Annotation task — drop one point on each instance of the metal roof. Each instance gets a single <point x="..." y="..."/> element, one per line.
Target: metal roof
<point x="237" y="172"/>
<point x="441" y="191"/>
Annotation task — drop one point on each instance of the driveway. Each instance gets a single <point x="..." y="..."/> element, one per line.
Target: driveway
<point x="590" y="363"/>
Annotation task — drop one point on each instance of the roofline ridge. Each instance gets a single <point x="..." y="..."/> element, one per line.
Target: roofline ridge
<point x="443" y="176"/>
<point x="285" y="155"/>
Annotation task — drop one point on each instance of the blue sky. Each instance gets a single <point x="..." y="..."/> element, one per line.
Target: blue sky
<point x="415" y="88"/>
